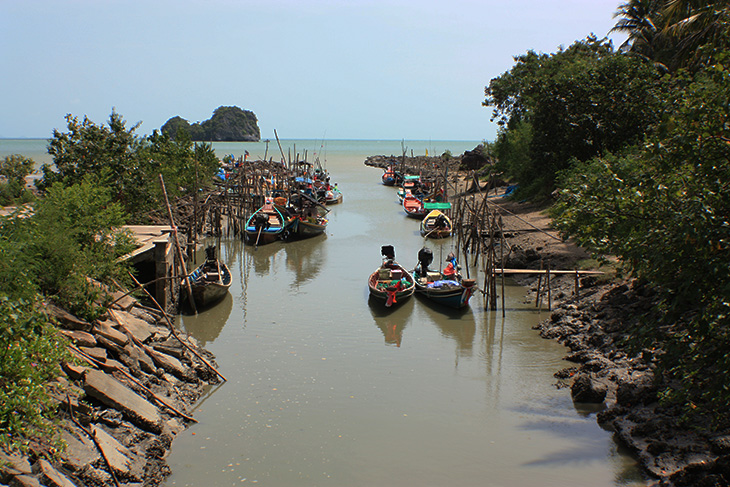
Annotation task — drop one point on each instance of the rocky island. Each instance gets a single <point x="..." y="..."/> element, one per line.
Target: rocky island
<point x="228" y="124"/>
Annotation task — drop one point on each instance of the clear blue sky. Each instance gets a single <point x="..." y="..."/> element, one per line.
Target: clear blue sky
<point x="361" y="69"/>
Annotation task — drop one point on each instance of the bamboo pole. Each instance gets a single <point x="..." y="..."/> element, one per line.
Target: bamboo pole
<point x="181" y="258"/>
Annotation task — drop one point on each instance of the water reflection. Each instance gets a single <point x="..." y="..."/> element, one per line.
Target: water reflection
<point x="262" y="258"/>
<point x="206" y="326"/>
<point x="391" y="321"/>
<point x="304" y="258"/>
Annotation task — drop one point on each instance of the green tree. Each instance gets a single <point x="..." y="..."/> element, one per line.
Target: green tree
<point x="675" y="33"/>
<point x="664" y="211"/>
<point x="127" y="165"/>
<point x="578" y="102"/>
<point x="14" y="168"/>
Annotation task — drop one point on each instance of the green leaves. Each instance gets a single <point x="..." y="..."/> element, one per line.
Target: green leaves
<point x="664" y="210"/>
<point x="30" y="352"/>
<point x="114" y="157"/>
<point x="578" y="103"/>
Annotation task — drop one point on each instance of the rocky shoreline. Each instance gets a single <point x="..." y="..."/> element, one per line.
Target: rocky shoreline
<point x="592" y="325"/>
<point x="121" y="401"/>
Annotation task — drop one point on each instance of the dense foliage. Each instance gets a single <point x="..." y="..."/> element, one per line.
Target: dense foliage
<point x="664" y="210"/>
<point x="230" y="124"/>
<point x="30" y="353"/>
<point x="67" y="248"/>
<point x="114" y="157"/>
<point x="62" y="252"/>
<point x="572" y="105"/>
<point x="675" y="34"/>
<point x="14" y="169"/>
<point x="637" y="144"/>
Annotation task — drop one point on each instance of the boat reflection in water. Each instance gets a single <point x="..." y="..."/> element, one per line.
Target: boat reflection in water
<point x="305" y="258"/>
<point x="391" y="321"/>
<point x="206" y="326"/>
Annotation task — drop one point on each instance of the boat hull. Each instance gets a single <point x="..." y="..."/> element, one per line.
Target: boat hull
<point x="436" y="225"/>
<point x="385" y="288"/>
<point x="449" y="293"/>
<point x="210" y="283"/>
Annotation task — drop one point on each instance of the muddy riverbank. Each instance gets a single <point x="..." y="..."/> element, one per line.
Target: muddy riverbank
<point x="593" y="324"/>
<point x="121" y="400"/>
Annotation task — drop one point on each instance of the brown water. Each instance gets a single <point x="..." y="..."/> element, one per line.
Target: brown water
<point x="326" y="389"/>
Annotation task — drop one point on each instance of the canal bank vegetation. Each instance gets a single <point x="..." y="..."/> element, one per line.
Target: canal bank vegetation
<point x="60" y="273"/>
<point x="631" y="149"/>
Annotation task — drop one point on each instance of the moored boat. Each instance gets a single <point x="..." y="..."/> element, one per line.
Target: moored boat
<point x="305" y="224"/>
<point x="391" y="283"/>
<point x="333" y="196"/>
<point x="446" y="287"/>
<point x="389" y="176"/>
<point x="413" y="206"/>
<point x="436" y="224"/>
<point x="210" y="281"/>
<point x="265" y="225"/>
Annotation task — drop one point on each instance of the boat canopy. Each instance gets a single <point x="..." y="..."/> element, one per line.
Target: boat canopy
<point x="436" y="206"/>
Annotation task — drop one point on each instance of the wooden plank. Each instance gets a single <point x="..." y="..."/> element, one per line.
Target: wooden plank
<point x="544" y="271"/>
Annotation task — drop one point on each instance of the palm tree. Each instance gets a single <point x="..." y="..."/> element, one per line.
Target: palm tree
<point x="692" y="24"/>
<point x="642" y="21"/>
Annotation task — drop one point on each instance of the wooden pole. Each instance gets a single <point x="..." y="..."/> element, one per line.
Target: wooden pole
<point x="180" y="255"/>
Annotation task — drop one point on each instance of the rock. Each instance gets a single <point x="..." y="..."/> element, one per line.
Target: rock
<point x="80" y="450"/>
<point x="123" y="301"/>
<point x="80" y="338"/>
<point x="24" y="481"/>
<point x="113" y="393"/>
<point x="96" y="353"/>
<point x="52" y="477"/>
<point x="106" y="330"/>
<point x="67" y="320"/>
<point x="139" y="329"/>
<point x="587" y="390"/>
<point x="117" y="454"/>
<point x="168" y="363"/>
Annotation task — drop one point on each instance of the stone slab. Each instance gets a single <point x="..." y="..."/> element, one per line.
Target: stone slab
<point x="52" y="477"/>
<point x="114" y="394"/>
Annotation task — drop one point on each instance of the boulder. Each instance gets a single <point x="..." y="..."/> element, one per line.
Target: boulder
<point x="587" y="390"/>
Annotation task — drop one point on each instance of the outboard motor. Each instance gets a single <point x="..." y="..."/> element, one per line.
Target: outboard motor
<point x="261" y="221"/>
<point x="210" y="253"/>
<point x="425" y="257"/>
<point x="388" y="252"/>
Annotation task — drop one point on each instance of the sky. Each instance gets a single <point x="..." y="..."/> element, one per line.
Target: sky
<point x="309" y="69"/>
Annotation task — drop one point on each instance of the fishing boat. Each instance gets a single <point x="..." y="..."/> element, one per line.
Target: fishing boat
<point x="265" y="225"/>
<point x="410" y="184"/>
<point x="210" y="281"/>
<point x="389" y="176"/>
<point x="446" y="287"/>
<point x="390" y="283"/>
<point x="413" y="206"/>
<point x="303" y="224"/>
<point x="333" y="196"/>
<point x="436" y="224"/>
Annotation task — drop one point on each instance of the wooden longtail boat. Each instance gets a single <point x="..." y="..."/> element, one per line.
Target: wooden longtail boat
<point x="445" y="289"/>
<point x="300" y="226"/>
<point x="391" y="283"/>
<point x="389" y="176"/>
<point x="333" y="196"/>
<point x="436" y="224"/>
<point x="210" y="281"/>
<point x="265" y="225"/>
<point x="413" y="206"/>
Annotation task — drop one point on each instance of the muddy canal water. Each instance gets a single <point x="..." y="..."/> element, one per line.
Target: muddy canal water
<point x="326" y="389"/>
